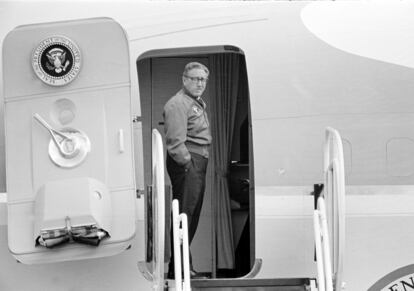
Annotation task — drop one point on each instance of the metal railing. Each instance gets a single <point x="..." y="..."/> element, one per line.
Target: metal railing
<point x="329" y="219"/>
<point x="322" y="246"/>
<point x="180" y="226"/>
<point x="180" y="237"/>
<point x="159" y="210"/>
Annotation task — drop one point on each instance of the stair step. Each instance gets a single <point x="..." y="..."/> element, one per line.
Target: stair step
<point x="285" y="284"/>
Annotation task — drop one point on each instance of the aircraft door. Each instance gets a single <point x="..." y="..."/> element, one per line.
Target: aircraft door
<point x="70" y="170"/>
<point x="166" y="82"/>
<point x="159" y="80"/>
<point x="227" y="99"/>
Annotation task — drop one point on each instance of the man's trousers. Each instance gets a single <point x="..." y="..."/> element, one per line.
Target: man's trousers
<point x="188" y="185"/>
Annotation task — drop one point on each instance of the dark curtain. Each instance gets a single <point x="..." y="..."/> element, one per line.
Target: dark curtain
<point x="225" y="69"/>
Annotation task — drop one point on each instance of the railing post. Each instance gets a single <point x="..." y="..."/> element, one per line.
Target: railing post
<point x="318" y="247"/>
<point x="325" y="245"/>
<point x="334" y="193"/>
<point x="180" y="236"/>
<point x="158" y="214"/>
<point x="186" y="253"/>
<point x="177" y="246"/>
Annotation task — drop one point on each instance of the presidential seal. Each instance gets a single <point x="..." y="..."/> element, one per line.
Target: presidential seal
<point x="57" y="60"/>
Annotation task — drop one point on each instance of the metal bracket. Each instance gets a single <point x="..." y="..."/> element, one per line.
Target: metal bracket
<point x="140" y="193"/>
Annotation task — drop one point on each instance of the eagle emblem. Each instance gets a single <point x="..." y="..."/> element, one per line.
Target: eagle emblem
<point x="57" y="60"/>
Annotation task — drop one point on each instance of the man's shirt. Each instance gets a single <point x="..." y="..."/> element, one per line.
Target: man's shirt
<point x="186" y="126"/>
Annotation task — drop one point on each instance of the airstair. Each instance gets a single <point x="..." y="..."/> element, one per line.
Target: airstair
<point x="329" y="230"/>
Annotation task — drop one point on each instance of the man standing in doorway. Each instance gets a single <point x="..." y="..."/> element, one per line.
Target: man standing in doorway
<point x="188" y="138"/>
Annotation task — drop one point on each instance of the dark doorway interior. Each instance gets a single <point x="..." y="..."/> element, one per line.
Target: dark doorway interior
<point x="224" y="243"/>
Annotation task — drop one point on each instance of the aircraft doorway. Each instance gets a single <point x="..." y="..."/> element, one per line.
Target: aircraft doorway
<point x="224" y="243"/>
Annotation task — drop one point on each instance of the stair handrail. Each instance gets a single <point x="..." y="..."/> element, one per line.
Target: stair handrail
<point x="159" y="209"/>
<point x="334" y="193"/>
<point x="180" y="237"/>
<point x="322" y="247"/>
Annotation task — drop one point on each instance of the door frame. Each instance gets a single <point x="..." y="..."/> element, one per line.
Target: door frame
<point x="201" y="52"/>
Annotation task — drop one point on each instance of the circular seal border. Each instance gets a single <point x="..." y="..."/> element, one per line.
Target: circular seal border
<point x="72" y="48"/>
<point x="392" y="278"/>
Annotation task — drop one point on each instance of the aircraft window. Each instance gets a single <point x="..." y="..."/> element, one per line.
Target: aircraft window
<point x="399" y="151"/>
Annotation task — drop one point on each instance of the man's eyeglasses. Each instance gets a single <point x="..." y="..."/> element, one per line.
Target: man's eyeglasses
<point x="197" y="79"/>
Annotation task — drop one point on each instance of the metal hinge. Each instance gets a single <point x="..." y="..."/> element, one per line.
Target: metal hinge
<point x="140" y="193"/>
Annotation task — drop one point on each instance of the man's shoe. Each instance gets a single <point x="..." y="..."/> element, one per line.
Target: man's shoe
<point x="194" y="275"/>
<point x="170" y="275"/>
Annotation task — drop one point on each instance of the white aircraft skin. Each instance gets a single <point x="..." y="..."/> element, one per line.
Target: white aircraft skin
<point x="348" y="65"/>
